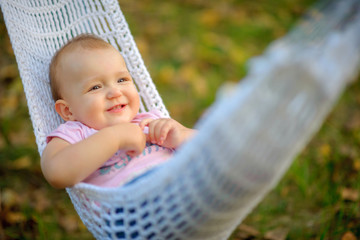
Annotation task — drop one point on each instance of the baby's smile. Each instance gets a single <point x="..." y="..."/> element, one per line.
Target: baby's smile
<point x="117" y="108"/>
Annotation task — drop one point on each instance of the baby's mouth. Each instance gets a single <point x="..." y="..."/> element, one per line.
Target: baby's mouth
<point x="116" y="107"/>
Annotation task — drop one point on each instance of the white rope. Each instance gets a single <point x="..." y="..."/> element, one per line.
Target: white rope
<point x="245" y="143"/>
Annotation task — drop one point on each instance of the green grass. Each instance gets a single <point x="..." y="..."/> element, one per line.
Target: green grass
<point x="191" y="48"/>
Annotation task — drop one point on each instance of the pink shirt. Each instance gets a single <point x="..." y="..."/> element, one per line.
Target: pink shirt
<point x="120" y="168"/>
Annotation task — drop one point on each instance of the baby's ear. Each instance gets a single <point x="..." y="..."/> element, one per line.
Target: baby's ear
<point x="63" y="109"/>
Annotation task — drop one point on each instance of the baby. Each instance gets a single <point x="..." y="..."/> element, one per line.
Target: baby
<point x="104" y="140"/>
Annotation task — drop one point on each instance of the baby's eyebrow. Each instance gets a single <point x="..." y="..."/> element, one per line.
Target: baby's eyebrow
<point x="123" y="73"/>
<point x="90" y="82"/>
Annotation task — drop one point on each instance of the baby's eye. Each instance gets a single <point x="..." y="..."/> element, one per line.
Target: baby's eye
<point x="94" y="88"/>
<point x="121" y="80"/>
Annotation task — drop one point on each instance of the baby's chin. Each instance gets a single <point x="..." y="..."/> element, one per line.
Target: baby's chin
<point x="98" y="125"/>
<point x="112" y="124"/>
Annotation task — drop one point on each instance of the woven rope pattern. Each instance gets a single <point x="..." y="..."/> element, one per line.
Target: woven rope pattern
<point x="245" y="143"/>
<point x="38" y="28"/>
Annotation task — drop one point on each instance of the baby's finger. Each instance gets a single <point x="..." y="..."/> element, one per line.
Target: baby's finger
<point x="147" y="137"/>
<point x="166" y="128"/>
<point x="132" y="153"/>
<point x="163" y="132"/>
<point x="145" y="122"/>
<point x="152" y="129"/>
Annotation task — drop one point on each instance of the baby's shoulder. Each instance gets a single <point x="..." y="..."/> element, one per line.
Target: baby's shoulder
<point x="72" y="131"/>
<point x="75" y="126"/>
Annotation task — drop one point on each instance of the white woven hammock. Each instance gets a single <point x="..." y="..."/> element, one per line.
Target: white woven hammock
<point x="245" y="143"/>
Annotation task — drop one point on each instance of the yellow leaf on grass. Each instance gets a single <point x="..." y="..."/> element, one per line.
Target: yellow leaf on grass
<point x="15" y="217"/>
<point x="348" y="236"/>
<point x="9" y="71"/>
<point x="285" y="191"/>
<point x="69" y="223"/>
<point x="21" y="163"/>
<point x="238" y="55"/>
<point x="325" y="150"/>
<point x="250" y="231"/>
<point x="356" y="164"/>
<point x="210" y="18"/>
<point x="40" y="200"/>
<point x="277" y="234"/>
<point x="8" y="198"/>
<point x="166" y="74"/>
<point x="9" y="104"/>
<point x="200" y="87"/>
<point x="142" y="46"/>
<point x="349" y="194"/>
<point x="188" y="73"/>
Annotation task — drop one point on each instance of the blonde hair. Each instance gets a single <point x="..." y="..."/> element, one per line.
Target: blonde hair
<point x="84" y="41"/>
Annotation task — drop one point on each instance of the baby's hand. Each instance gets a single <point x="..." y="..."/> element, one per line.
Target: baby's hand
<point x="165" y="132"/>
<point x="132" y="138"/>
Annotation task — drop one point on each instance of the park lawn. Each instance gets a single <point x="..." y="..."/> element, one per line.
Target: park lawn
<point x="191" y="48"/>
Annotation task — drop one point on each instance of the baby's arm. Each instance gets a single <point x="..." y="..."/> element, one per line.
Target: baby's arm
<point x="166" y="132"/>
<point x="64" y="164"/>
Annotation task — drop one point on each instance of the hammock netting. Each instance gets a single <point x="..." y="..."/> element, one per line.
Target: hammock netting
<point x="246" y="141"/>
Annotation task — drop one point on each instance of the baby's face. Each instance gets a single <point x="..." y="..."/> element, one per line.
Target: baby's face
<point x="98" y="87"/>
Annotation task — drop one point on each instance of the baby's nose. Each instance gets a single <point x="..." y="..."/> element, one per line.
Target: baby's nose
<point x="113" y="92"/>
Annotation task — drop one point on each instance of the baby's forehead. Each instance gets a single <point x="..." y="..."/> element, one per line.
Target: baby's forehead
<point x="78" y="57"/>
<point x="79" y="50"/>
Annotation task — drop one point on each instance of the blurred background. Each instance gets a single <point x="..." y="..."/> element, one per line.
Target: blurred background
<point x="191" y="48"/>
